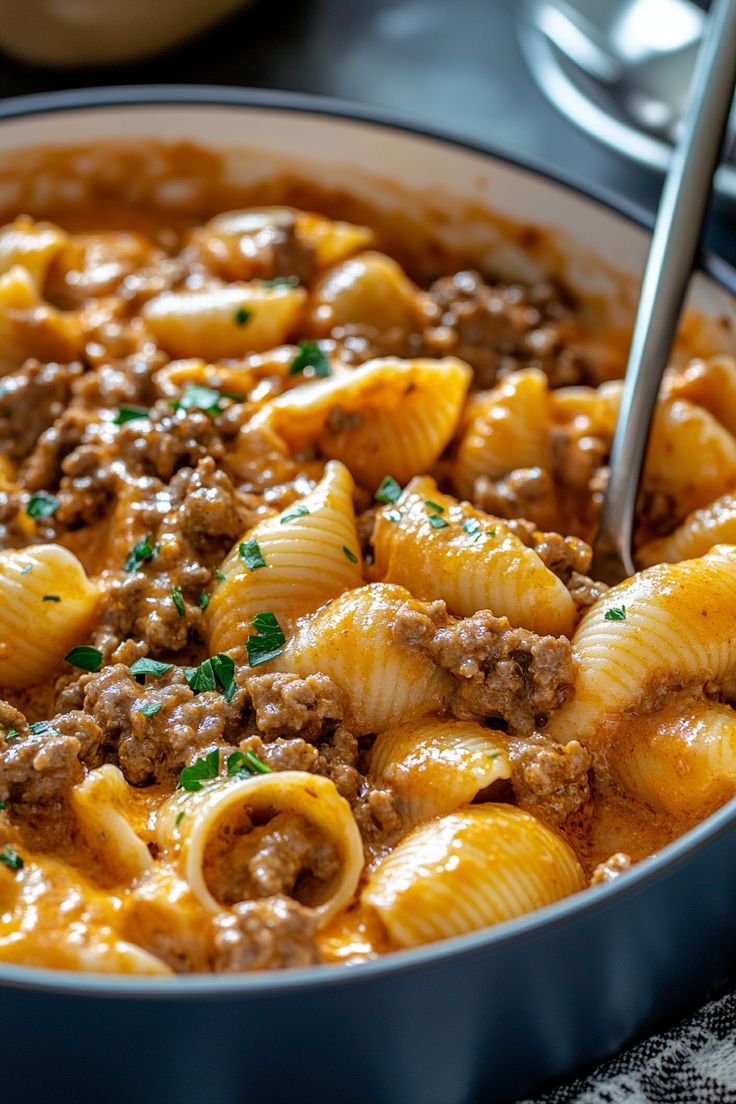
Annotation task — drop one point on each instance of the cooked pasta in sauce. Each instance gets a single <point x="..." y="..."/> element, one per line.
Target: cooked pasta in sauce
<point x="300" y="656"/>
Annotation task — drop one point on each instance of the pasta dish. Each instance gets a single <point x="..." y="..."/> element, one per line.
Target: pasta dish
<point x="301" y="660"/>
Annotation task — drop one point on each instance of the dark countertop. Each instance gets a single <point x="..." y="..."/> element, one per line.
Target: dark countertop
<point x="452" y="63"/>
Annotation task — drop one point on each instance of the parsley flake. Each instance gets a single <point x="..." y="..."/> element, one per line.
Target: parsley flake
<point x="11" y="733"/>
<point x="42" y="728"/>
<point x="245" y="765"/>
<point x="42" y="505"/>
<point x="616" y="613"/>
<point x="85" y="657"/>
<point x="224" y="668"/>
<point x="350" y="555"/>
<point x="280" y="281"/>
<point x="472" y="527"/>
<point x="51" y="598"/>
<point x="434" y="506"/>
<point x="251" y="555"/>
<point x="242" y="315"/>
<point x="437" y="522"/>
<point x="11" y="859"/>
<point x="191" y="777"/>
<point x="147" y="666"/>
<point x="178" y="600"/>
<point x="202" y="678"/>
<point x="150" y="709"/>
<point x="179" y="818"/>
<point x="268" y="640"/>
<point x="220" y="576"/>
<point x="197" y="397"/>
<point x="295" y="512"/>
<point x="204" y="601"/>
<point x="389" y="492"/>
<point x="310" y="356"/>
<point x="393" y="515"/>
<point x="129" y="414"/>
<point x="141" y="551"/>
<point x="25" y="570"/>
<point x="2" y="806"/>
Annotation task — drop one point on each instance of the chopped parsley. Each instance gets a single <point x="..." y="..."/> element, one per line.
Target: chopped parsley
<point x="268" y="640"/>
<point x="295" y="512"/>
<point x="42" y="505"/>
<point x="224" y="668"/>
<point x="242" y="315"/>
<point x="25" y="570"/>
<point x="209" y="767"/>
<point x="197" y="397"/>
<point x="11" y="859"/>
<point x="150" y="709"/>
<point x="147" y="666"/>
<point x="140" y="552"/>
<point x="616" y="613"/>
<point x="220" y="576"/>
<point x="11" y="734"/>
<point x="251" y="555"/>
<point x="51" y="598"/>
<point x="389" y="491"/>
<point x="280" y="281"/>
<point x="472" y="527"/>
<point x="202" y="678"/>
<point x="310" y="356"/>
<point x="129" y="414"/>
<point x="178" y="600"/>
<point x="2" y="806"/>
<point x="350" y="555"/>
<point x="437" y="522"/>
<point x="42" y="728"/>
<point x="240" y="765"/>
<point x="393" y="515"/>
<point x="204" y="601"/>
<point x="85" y="657"/>
<point x="179" y="818"/>
<point x="434" y="506"/>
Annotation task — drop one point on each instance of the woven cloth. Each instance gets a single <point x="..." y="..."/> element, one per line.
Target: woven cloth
<point x="694" y="1063"/>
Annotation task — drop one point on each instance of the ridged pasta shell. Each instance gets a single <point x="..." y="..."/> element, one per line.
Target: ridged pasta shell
<point x="508" y="428"/>
<point x="469" y="870"/>
<point x="223" y="809"/>
<point x="35" y="635"/>
<point x="489" y="568"/>
<point x="370" y="288"/>
<point x="353" y="640"/>
<point x="105" y="954"/>
<point x="679" y="629"/>
<point x="100" y="802"/>
<point x="699" y="532"/>
<point x="32" y="245"/>
<point x="306" y="563"/>
<point x="682" y="432"/>
<point x="220" y="322"/>
<point x="680" y="760"/>
<point x="388" y="415"/>
<point x="711" y="384"/>
<point x="435" y="766"/>
<point x="31" y="327"/>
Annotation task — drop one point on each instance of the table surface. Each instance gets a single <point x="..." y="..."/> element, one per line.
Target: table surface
<point x="454" y="64"/>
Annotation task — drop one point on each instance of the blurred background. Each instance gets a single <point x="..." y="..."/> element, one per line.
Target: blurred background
<point x="591" y="87"/>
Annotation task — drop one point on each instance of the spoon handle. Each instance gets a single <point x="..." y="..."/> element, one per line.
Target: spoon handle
<point x="666" y="276"/>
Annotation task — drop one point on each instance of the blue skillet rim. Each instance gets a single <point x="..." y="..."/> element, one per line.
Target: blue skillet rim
<point x="532" y="926"/>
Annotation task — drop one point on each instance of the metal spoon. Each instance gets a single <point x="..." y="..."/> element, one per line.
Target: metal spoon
<point x="666" y="276"/>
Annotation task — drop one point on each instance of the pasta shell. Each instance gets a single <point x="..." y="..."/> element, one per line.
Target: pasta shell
<point x="30" y="327"/>
<point x="100" y="803"/>
<point x="32" y="245"/>
<point x="331" y="240"/>
<point x="220" y="322"/>
<point x="678" y="629"/>
<point x="469" y="870"/>
<point x="306" y="563"/>
<point x="680" y="760"/>
<point x="698" y="533"/>
<point x="213" y="818"/>
<point x="435" y="766"/>
<point x="353" y="640"/>
<point x="387" y="416"/>
<point x="35" y="635"/>
<point x="681" y="431"/>
<point x="369" y="288"/>
<point x="473" y="563"/>
<point x="509" y="428"/>
<point x="711" y="384"/>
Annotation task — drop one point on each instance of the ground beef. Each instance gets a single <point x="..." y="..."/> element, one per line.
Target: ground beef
<point x="286" y="703"/>
<point x="523" y="493"/>
<point x="379" y="820"/>
<point x="569" y="558"/>
<point x="499" y="328"/>
<point x="502" y="673"/>
<point x="278" y="754"/>
<point x="159" y="746"/>
<point x="269" y="934"/>
<point x="355" y="343"/>
<point x="31" y="399"/>
<point x="612" y="868"/>
<point x="170" y="440"/>
<point x="549" y="779"/>
<point x="269" y="859"/>
<point x="339" y="758"/>
<point x="38" y="769"/>
<point x="277" y="249"/>
<point x="42" y="469"/>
